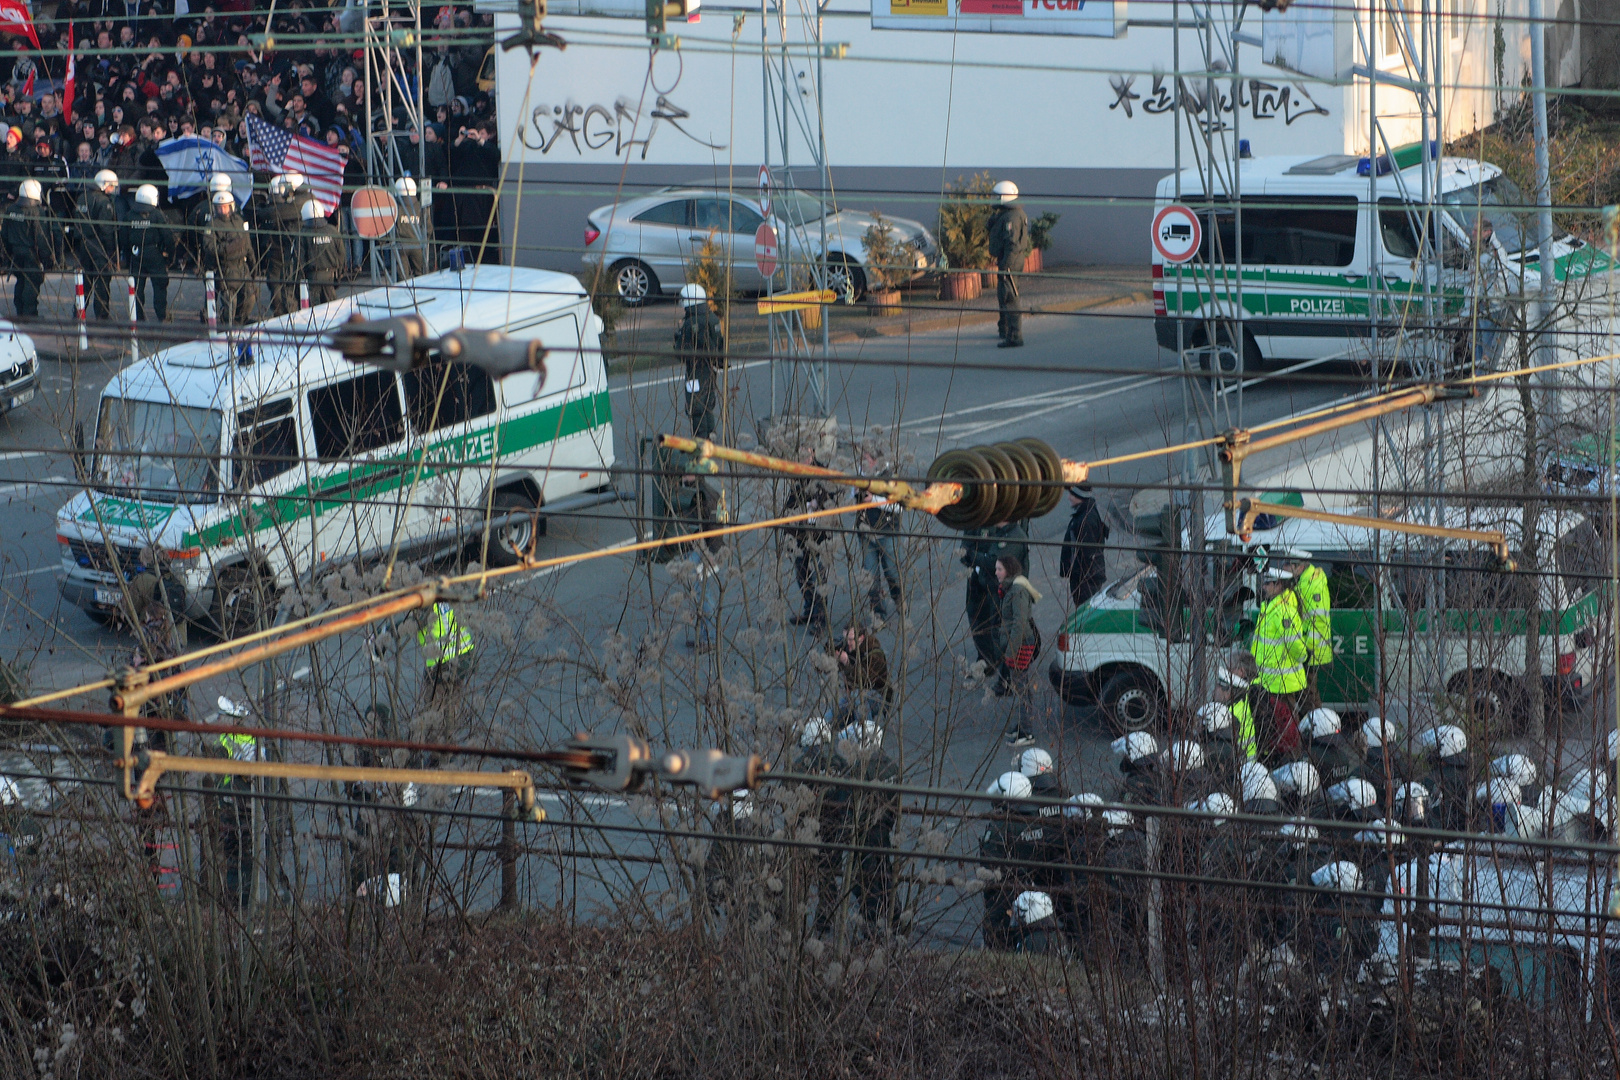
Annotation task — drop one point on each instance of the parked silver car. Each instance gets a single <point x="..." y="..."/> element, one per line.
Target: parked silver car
<point x="647" y="242"/>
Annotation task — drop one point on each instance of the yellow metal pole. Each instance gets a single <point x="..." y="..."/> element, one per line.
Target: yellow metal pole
<point x="1252" y="509"/>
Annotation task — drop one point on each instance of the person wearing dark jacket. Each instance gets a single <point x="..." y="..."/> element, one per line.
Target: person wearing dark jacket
<point x="1009" y="246"/>
<point x="228" y="252"/>
<point x="694" y="504"/>
<point x="27" y="244"/>
<point x="873" y="814"/>
<point x="97" y="231"/>
<point x="1019" y="641"/>
<point x="980" y="550"/>
<point x="147" y="245"/>
<point x="320" y="253"/>
<point x="879" y="528"/>
<point x="809" y="564"/>
<point x="819" y="756"/>
<point x="864" y="670"/>
<point x="701" y="346"/>
<point x="1082" y="560"/>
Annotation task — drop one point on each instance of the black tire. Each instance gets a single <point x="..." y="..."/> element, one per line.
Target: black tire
<point x="634" y="282"/>
<point x="1493" y="700"/>
<point x="509" y="543"/>
<point x="243" y="602"/>
<point x="1252" y="360"/>
<point x="841" y="269"/>
<point x="1131" y="701"/>
<point x="1072" y="687"/>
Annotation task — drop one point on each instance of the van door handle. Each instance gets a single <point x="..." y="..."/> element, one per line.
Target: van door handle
<point x="699" y="236"/>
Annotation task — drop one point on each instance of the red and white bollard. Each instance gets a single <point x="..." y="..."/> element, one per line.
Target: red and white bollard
<point x="303" y="295"/>
<point x="213" y="310"/>
<point x="134" y="319"/>
<point x="78" y="311"/>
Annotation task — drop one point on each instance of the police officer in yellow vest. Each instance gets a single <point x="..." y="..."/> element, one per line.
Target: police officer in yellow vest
<point x="1315" y="614"/>
<point x="447" y="649"/>
<point x="1228" y="724"/>
<point x="1279" y="651"/>
<point x="235" y="806"/>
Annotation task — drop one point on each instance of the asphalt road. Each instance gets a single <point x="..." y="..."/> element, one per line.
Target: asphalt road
<point x="936" y="390"/>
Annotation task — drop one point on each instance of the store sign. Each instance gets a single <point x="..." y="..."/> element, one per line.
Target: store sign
<point x="1078" y="18"/>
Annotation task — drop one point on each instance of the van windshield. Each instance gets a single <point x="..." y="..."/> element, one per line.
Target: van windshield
<point x="1482" y="209"/>
<point x="157" y="451"/>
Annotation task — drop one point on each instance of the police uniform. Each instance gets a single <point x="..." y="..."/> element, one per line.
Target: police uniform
<point x="412" y="243"/>
<point x="148" y="246"/>
<point x="1316" y="616"/>
<point x="228" y="252"/>
<point x="321" y="256"/>
<point x="236" y="820"/>
<point x="701" y="346"/>
<point x="27" y="245"/>
<point x="283" y="266"/>
<point x="447" y="649"/>
<point x="98" y="248"/>
<point x="1279" y="652"/>
<point x="1009" y="246"/>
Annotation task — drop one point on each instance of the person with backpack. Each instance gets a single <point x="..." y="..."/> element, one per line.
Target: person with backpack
<point x="1020" y="642"/>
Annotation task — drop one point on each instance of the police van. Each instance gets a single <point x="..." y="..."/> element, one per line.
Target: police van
<point x="265" y="457"/>
<point x="1130" y="648"/>
<point x="1314" y="253"/>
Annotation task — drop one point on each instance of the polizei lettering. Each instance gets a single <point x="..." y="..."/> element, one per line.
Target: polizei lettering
<point x="1316" y="305"/>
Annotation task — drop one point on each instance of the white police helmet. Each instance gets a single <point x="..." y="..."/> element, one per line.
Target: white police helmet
<point x="816" y="731"/>
<point x="29" y="189"/>
<point x="1296" y="778"/>
<point x="146" y="195"/>
<point x="1014" y="785"/>
<point x="742" y="805"/>
<point x="1258" y="785"/>
<point x="1227" y="677"/>
<point x="1034" y="761"/>
<point x="866" y="734"/>
<point x="405" y="187"/>
<point x="310" y="211"/>
<point x="1354" y="794"/>
<point x="1298" y="831"/>
<point x="219" y="182"/>
<point x="1218" y="803"/>
<point x="1343" y="876"/>
<point x="278" y="184"/>
<point x="1445" y="741"/>
<point x="1497" y="791"/>
<point x="223" y="198"/>
<point x="1377" y="731"/>
<point x="1319" y="724"/>
<point x="1215" y="716"/>
<point x="1118" y="821"/>
<point x="1412" y="802"/>
<point x="1273" y="572"/>
<point x="1515" y="767"/>
<point x="1135" y="746"/>
<point x="1082" y="805"/>
<point x="105" y="177"/>
<point x="1381" y="832"/>
<point x="1526" y="821"/>
<point x="692" y="295"/>
<point x="295" y="180"/>
<point x="1184" y="756"/>
<point x="1006" y="189"/>
<point x="1032" y="907"/>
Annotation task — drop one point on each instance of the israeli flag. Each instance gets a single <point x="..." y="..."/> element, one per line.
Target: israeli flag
<point x="191" y="160"/>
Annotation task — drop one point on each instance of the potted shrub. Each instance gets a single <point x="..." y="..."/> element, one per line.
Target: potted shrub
<point x="886" y="259"/>
<point x="708" y="269"/>
<point x="1040" y="238"/>
<point x="964" y="234"/>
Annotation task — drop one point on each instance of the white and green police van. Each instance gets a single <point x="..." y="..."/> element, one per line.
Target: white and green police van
<point x="1314" y="253"/>
<point x="1129" y="650"/>
<point x="257" y="461"/>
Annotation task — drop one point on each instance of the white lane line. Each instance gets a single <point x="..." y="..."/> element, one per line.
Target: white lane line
<point x="7" y="489"/>
<point x="18" y="455"/>
<point x="970" y="430"/>
<point x="31" y="573"/>
<point x="520" y="579"/>
<point x="643" y="384"/>
<point x="1232" y="389"/>
<point x="1017" y="402"/>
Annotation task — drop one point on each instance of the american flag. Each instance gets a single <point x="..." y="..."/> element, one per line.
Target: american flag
<point x="276" y="150"/>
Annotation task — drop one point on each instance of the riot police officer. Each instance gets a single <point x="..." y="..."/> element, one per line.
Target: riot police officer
<point x="98" y="240"/>
<point x="321" y="253"/>
<point x="281" y="255"/>
<point x="193" y="239"/>
<point x="27" y="245"/>
<point x="228" y="252"/>
<point x="411" y="243"/>
<point x="147" y="244"/>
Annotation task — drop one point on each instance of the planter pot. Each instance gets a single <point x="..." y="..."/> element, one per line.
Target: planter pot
<point x="886" y="302"/>
<point x="1035" y="263"/>
<point x="959" y="286"/>
<point x="811" y="318"/>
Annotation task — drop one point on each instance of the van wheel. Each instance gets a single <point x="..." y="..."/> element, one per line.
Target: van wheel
<point x="510" y="543"/>
<point x="1494" y="701"/>
<point x="243" y="600"/>
<point x="634" y="281"/>
<point x="1131" y="701"/>
<point x="1252" y="360"/>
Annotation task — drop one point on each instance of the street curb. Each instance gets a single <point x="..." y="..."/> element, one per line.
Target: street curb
<point x="980" y="318"/>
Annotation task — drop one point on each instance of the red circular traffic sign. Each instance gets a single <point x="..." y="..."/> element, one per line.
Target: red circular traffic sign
<point x="375" y="212"/>
<point x="765" y="191"/>
<point x="765" y="249"/>
<point x="1177" y="233"/>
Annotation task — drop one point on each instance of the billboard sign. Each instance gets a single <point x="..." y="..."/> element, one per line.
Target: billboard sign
<point x="1075" y="18"/>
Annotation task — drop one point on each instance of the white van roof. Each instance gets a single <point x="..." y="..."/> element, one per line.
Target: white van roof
<point x="1329" y="174"/>
<point x="286" y="349"/>
<point x="1318" y="536"/>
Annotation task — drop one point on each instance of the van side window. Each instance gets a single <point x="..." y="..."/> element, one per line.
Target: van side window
<point x="469" y="393"/>
<point x="1286" y="231"/>
<point x="266" y="444"/>
<point x="1398" y="226"/>
<point x="1351" y="586"/>
<point x="356" y="415"/>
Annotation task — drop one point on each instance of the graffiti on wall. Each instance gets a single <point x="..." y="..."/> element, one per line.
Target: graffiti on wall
<point x="590" y="128"/>
<point x="1264" y="100"/>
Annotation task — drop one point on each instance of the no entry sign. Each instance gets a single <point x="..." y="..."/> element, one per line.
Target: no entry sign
<point x="375" y="212"/>
<point x="1177" y="233"/>
<point x="765" y="249"/>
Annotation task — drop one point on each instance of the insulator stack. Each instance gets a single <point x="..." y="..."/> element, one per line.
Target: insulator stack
<point x="1006" y="481"/>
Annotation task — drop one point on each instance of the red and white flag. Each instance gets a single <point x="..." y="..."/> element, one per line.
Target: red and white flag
<point x="15" y="19"/>
<point x="68" y="87"/>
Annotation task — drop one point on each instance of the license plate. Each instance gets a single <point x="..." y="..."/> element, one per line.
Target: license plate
<point x="22" y="399"/>
<point x="109" y="596"/>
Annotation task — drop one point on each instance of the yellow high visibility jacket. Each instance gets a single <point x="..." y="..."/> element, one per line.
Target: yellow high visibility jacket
<point x="443" y="639"/>
<point x="1279" y="645"/>
<point x="1243" y="723"/>
<point x="238" y="748"/>
<point x="1316" y="614"/>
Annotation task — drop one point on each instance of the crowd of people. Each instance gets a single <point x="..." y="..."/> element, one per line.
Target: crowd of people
<point x="144" y="75"/>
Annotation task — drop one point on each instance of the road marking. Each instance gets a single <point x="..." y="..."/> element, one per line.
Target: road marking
<point x="630" y="384"/>
<point x="31" y="573"/>
<point x="1015" y="402"/>
<point x="968" y="431"/>
<point x="18" y="455"/>
<point x="1232" y="389"/>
